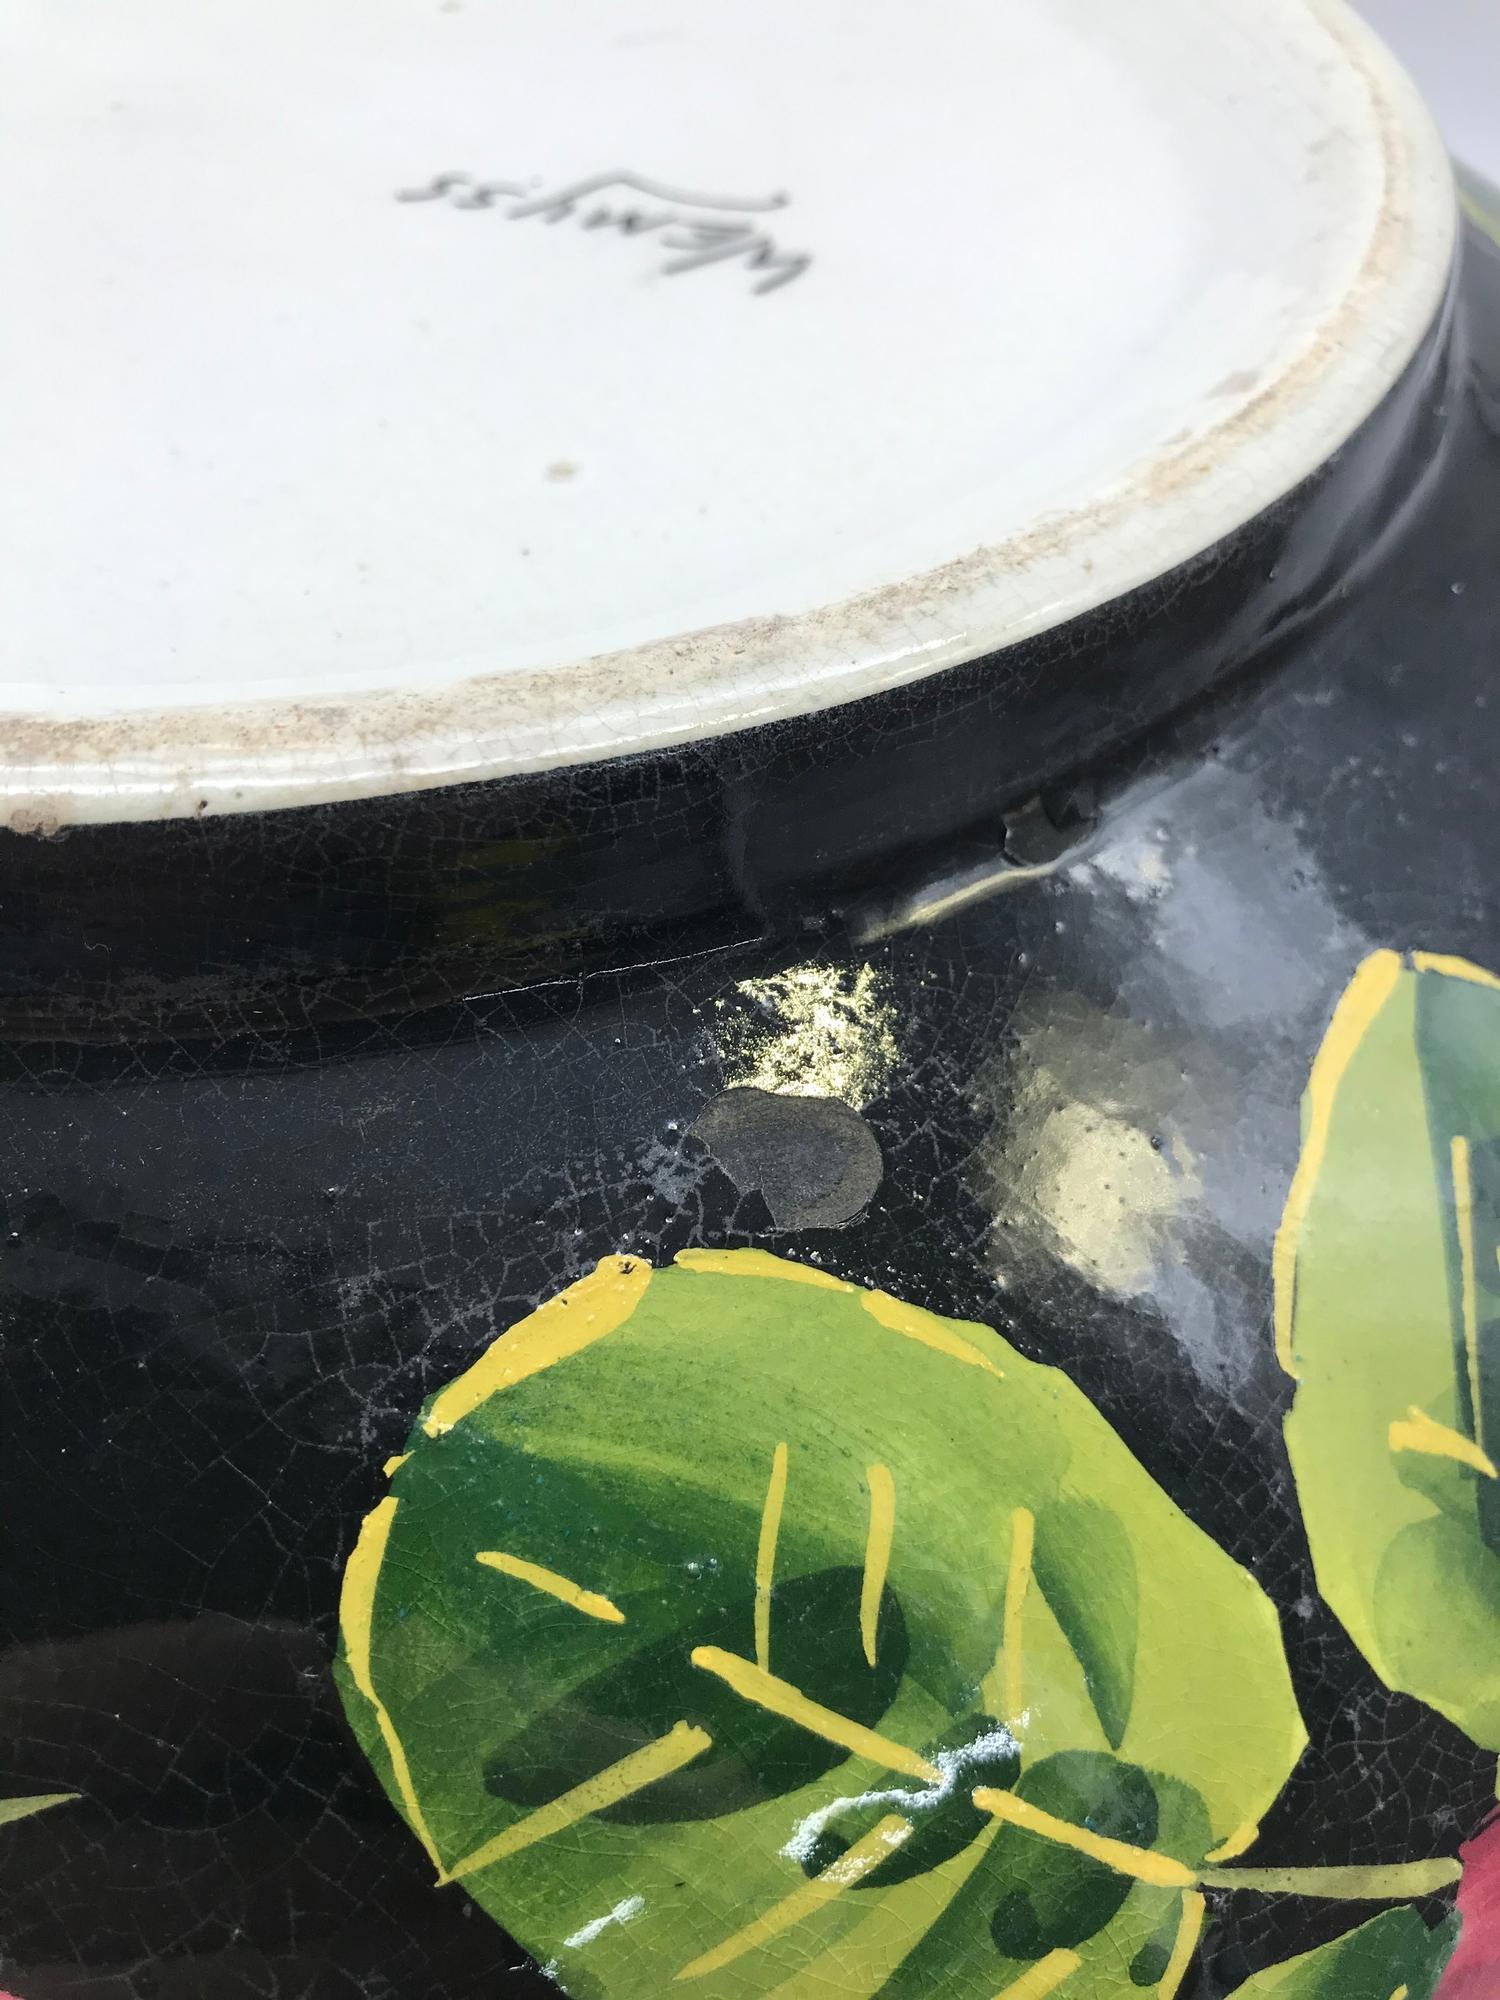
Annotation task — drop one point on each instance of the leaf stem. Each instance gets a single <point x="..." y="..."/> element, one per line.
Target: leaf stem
<point x="1344" y="1885"/>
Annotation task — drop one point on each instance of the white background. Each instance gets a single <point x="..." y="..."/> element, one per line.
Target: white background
<point x="1452" y="49"/>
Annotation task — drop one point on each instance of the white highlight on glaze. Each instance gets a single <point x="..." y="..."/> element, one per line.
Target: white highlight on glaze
<point x="922" y="1798"/>
<point x="282" y="518"/>
<point x="623" y="1913"/>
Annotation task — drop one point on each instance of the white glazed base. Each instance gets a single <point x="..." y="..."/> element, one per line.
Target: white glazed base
<point x="317" y="493"/>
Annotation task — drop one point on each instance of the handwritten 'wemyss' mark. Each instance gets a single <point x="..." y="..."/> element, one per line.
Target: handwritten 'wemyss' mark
<point x="701" y="229"/>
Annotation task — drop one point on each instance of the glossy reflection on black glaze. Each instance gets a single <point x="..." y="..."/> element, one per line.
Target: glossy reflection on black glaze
<point x="236" y="1257"/>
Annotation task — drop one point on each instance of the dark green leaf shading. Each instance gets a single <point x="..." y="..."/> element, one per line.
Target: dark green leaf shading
<point x="1154" y="1956"/>
<point x="1052" y="1897"/>
<point x="756" y="1755"/>
<point x="1393" y="1952"/>
<point x="1085" y="1568"/>
<point x="945" y="1955"/>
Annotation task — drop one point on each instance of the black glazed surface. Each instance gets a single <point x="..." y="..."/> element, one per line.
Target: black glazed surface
<point x="236" y="1256"/>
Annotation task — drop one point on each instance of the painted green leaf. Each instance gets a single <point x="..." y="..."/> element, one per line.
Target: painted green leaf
<point x="733" y="1628"/>
<point x="1393" y="1954"/>
<point x="1388" y="1315"/>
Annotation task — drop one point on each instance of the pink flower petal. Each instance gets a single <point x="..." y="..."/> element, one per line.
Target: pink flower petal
<point x="1474" y="1970"/>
